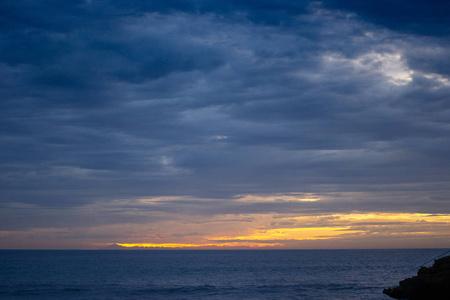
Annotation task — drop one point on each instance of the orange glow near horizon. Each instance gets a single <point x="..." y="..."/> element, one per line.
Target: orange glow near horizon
<point x="396" y="217"/>
<point x="217" y="245"/>
<point x="314" y="233"/>
<point x="289" y="230"/>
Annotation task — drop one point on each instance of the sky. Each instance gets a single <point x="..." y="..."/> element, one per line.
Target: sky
<point x="235" y="124"/>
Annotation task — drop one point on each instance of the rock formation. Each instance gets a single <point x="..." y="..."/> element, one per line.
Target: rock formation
<point x="430" y="283"/>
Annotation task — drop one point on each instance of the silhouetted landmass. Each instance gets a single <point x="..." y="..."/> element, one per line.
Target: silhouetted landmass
<point x="430" y="283"/>
<point x="114" y="247"/>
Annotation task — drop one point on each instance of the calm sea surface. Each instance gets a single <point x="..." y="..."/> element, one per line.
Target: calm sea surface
<point x="252" y="274"/>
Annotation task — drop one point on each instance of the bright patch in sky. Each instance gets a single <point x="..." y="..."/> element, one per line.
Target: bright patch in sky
<point x="443" y="80"/>
<point x="391" y="65"/>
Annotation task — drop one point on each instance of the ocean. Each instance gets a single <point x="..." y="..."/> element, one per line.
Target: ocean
<point x="207" y="274"/>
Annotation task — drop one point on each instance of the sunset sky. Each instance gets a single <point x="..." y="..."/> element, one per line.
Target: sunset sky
<point x="234" y="124"/>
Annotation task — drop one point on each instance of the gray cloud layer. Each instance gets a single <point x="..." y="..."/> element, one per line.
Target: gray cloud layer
<point x="106" y="100"/>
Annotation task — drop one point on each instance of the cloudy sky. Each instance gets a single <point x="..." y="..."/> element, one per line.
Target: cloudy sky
<point x="224" y="124"/>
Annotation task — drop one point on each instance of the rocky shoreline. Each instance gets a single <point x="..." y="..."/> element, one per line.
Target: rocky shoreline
<point x="430" y="283"/>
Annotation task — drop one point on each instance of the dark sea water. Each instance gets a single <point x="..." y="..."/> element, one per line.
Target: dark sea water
<point x="167" y="274"/>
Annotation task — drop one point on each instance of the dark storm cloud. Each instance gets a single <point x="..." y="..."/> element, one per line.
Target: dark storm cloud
<point x="110" y="100"/>
<point x="422" y="17"/>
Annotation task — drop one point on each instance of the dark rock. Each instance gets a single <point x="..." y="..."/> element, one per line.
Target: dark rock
<point x="430" y="283"/>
